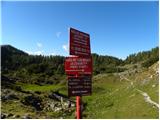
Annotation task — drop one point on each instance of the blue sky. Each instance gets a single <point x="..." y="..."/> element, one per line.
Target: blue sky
<point x="115" y="28"/>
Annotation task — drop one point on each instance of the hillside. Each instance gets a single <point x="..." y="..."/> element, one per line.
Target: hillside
<point x="14" y="60"/>
<point x="130" y="94"/>
<point x="35" y="86"/>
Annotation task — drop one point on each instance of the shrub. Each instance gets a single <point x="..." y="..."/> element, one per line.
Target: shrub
<point x="150" y="62"/>
<point x="18" y="88"/>
<point x="34" y="101"/>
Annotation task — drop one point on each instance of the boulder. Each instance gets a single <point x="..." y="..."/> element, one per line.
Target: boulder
<point x="9" y="96"/>
<point x="34" y="101"/>
<point x="3" y="115"/>
<point x="57" y="109"/>
<point x="16" y="116"/>
<point x="9" y="115"/>
<point x="26" y="116"/>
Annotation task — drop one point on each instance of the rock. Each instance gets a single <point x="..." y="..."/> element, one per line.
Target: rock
<point x="3" y="116"/>
<point x="34" y="101"/>
<point x="16" y="116"/>
<point x="145" y="81"/>
<point x="18" y="88"/>
<point x="52" y="106"/>
<point x="73" y="105"/>
<point x="10" y="115"/>
<point x="151" y="76"/>
<point x="9" y="97"/>
<point x="57" y="109"/>
<point x="5" y="91"/>
<point x="26" y="116"/>
<point x="153" y="86"/>
<point x="8" y="94"/>
<point x="38" y="92"/>
<point x="132" y="95"/>
<point x="66" y="104"/>
<point x="7" y="82"/>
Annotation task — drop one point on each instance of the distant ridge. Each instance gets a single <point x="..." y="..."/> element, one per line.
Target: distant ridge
<point x="15" y="59"/>
<point x="8" y="49"/>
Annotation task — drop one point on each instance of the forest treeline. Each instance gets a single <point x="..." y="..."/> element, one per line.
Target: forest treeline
<point x="38" y="68"/>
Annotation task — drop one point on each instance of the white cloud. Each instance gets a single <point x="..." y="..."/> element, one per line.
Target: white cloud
<point x="38" y="52"/>
<point x="29" y="52"/>
<point x="35" y="53"/>
<point x="53" y="54"/>
<point x="58" y="34"/>
<point x="39" y="45"/>
<point x="65" y="47"/>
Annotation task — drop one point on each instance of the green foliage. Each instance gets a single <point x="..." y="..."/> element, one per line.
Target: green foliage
<point x="30" y="68"/>
<point x="34" y="101"/>
<point x="150" y="57"/>
<point x="112" y="98"/>
<point x="38" y="69"/>
<point x="150" y="62"/>
<point x="33" y="87"/>
<point x="106" y="64"/>
<point x="18" y="88"/>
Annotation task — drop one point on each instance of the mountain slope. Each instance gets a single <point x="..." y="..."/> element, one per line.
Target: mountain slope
<point x="17" y="60"/>
<point x="10" y="50"/>
<point x="125" y="95"/>
<point x="9" y="57"/>
<point x="36" y="87"/>
<point x="14" y="59"/>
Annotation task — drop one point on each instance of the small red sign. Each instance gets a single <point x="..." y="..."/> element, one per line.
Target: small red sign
<point x="78" y="65"/>
<point x="78" y="86"/>
<point x="79" y="43"/>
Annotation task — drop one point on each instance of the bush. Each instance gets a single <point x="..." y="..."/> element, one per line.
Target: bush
<point x="38" y="92"/>
<point x="18" y="88"/>
<point x="150" y="62"/>
<point x="34" y="101"/>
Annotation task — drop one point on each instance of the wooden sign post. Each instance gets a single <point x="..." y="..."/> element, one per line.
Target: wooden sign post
<point x="79" y="67"/>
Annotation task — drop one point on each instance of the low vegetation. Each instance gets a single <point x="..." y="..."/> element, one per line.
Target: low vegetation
<point x="36" y="86"/>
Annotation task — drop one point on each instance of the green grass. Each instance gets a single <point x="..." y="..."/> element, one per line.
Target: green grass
<point x="16" y="108"/>
<point x="110" y="99"/>
<point x="44" y="88"/>
<point x="114" y="99"/>
<point x="151" y="91"/>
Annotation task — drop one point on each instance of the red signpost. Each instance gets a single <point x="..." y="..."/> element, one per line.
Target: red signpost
<point x="79" y="86"/>
<point x="79" y="43"/>
<point x="79" y="67"/>
<point x="78" y="107"/>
